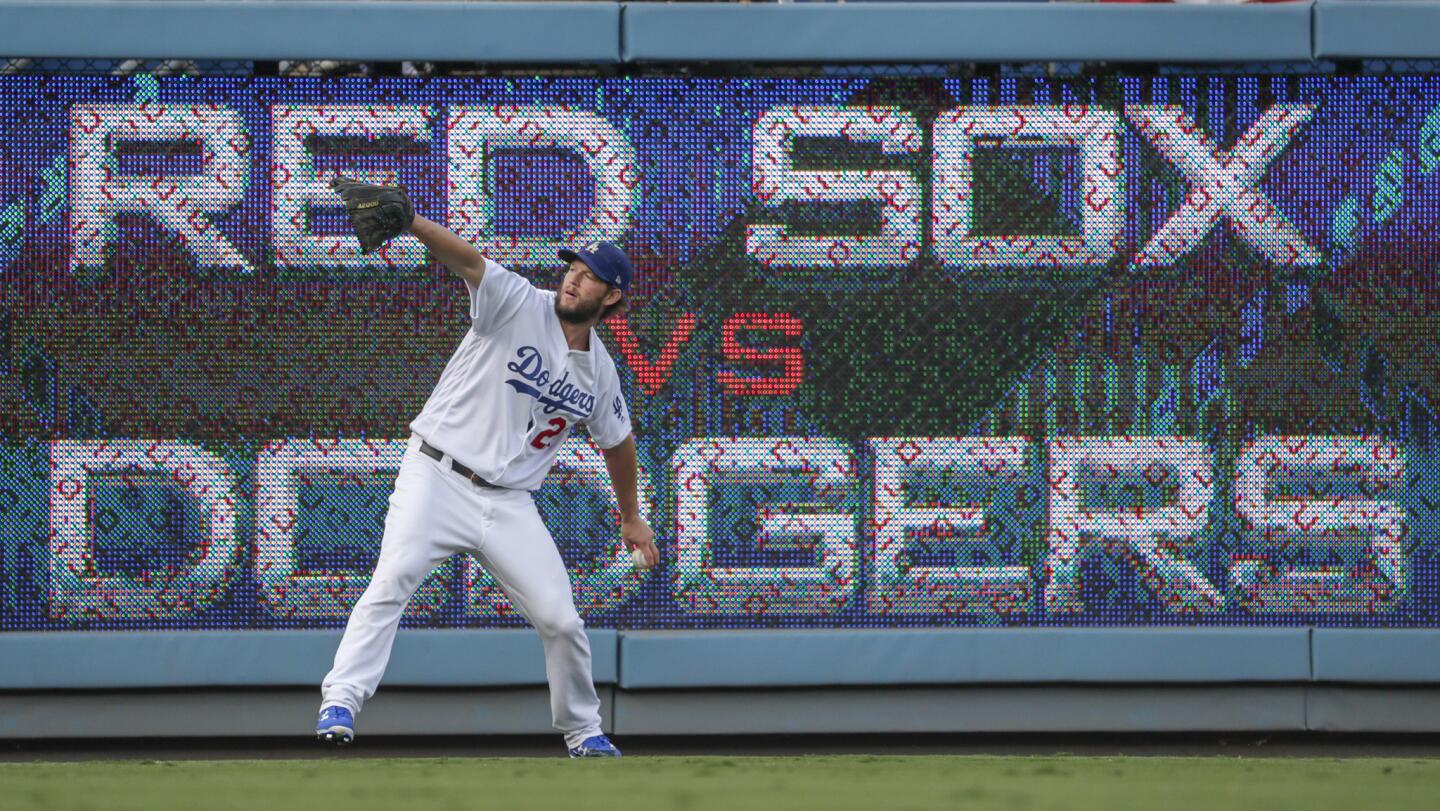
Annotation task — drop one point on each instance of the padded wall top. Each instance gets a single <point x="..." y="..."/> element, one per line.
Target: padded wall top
<point x="556" y="33"/>
<point x="606" y="33"/>
<point x="131" y="659"/>
<point x="928" y="32"/>
<point x="660" y="659"/>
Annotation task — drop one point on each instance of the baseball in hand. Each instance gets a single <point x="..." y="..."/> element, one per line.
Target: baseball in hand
<point x="638" y="556"/>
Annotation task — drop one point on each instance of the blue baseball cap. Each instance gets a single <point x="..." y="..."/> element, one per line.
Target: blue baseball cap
<point x="606" y="261"/>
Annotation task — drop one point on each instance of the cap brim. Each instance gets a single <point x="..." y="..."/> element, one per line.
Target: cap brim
<point x="570" y="256"/>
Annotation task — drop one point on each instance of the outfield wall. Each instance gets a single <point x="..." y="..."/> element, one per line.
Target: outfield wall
<point x="155" y="684"/>
<point x="1047" y="417"/>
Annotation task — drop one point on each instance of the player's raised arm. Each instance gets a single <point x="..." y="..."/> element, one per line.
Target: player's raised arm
<point x="454" y="252"/>
<point x="381" y="213"/>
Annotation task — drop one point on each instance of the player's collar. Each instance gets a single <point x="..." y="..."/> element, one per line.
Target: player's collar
<point x="590" y="338"/>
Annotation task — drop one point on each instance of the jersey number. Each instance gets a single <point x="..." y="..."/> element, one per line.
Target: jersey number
<point x="556" y="426"/>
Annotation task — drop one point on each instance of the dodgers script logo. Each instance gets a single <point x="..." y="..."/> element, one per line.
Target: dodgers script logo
<point x="562" y="394"/>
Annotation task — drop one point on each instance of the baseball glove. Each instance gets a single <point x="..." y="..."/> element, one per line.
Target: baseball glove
<point x="378" y="213"/>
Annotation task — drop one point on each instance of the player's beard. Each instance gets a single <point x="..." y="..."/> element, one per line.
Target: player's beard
<point x="581" y="312"/>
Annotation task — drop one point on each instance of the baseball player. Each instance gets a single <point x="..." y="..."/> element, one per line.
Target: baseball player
<point x="529" y="369"/>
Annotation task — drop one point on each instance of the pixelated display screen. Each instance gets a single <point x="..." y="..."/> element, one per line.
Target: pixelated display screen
<point x="900" y="352"/>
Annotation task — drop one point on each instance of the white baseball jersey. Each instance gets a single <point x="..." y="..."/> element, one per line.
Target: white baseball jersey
<point x="514" y="389"/>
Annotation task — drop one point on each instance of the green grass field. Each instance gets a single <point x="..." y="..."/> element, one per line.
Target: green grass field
<point x="730" y="783"/>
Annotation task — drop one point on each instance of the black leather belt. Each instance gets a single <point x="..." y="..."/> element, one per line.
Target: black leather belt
<point x="438" y="455"/>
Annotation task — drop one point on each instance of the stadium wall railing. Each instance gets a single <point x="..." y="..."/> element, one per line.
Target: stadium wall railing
<point x="156" y="683"/>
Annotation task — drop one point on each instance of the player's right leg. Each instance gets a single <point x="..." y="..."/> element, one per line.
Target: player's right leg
<point x="522" y="557"/>
<point x="425" y="525"/>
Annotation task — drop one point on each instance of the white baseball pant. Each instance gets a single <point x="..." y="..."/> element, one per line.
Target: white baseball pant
<point x="434" y="514"/>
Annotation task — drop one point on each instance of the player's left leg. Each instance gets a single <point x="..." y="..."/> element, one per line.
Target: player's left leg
<point x="520" y="554"/>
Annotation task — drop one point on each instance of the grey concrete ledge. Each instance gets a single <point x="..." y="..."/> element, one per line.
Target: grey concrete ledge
<point x="1372" y="709"/>
<point x="961" y="709"/>
<point x="245" y="713"/>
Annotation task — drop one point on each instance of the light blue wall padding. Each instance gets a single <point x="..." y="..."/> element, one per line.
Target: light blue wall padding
<point x="591" y="33"/>
<point x="1377" y="29"/>
<point x="573" y="32"/>
<point x="682" y="659"/>
<point x="926" y="32"/>
<point x="130" y="659"/>
<point x="697" y="659"/>
<point x="1376" y="656"/>
<point x="595" y="33"/>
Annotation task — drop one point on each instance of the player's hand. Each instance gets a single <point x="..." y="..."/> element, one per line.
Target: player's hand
<point x="639" y="537"/>
<point x="377" y="213"/>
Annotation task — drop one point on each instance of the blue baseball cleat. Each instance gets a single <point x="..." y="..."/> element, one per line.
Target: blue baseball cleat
<point x="337" y="726"/>
<point x="595" y="746"/>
